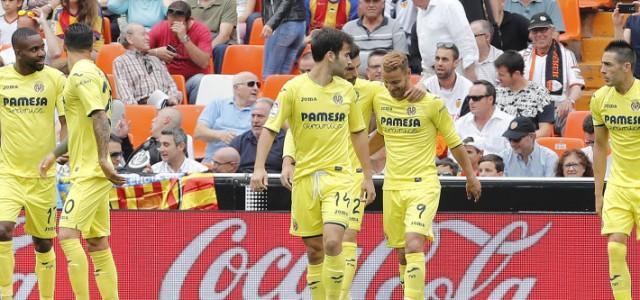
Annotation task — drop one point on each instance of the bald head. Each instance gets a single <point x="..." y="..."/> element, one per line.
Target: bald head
<point x="28" y="22"/>
<point x="167" y="118"/>
<point x="226" y="160"/>
<point x="245" y="88"/>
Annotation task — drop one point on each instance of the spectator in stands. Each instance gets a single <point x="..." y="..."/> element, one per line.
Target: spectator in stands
<point x="529" y="8"/>
<point x="629" y="31"/>
<point x="147" y="13"/>
<point x="375" y="31"/>
<point x="447" y="167"/>
<point x="37" y="21"/>
<point x="222" y="120"/>
<point x="404" y="13"/>
<point x="244" y="8"/>
<point x="491" y="165"/>
<point x="483" y="31"/>
<point x="305" y="62"/>
<point x="246" y="144"/>
<point x="172" y="150"/>
<point x="564" y="85"/>
<point x="225" y="160"/>
<point x="520" y="97"/>
<point x="589" y="136"/>
<point x="374" y="64"/>
<point x="284" y="28"/>
<point x="447" y="83"/>
<point x="330" y="13"/>
<point x="510" y="30"/>
<point x="525" y="157"/>
<point x="115" y="152"/>
<point x="444" y="21"/>
<point x="9" y="20"/>
<point x="138" y="74"/>
<point x="184" y="44"/>
<point x="80" y="11"/>
<point x="475" y="150"/>
<point x="221" y="18"/>
<point x="120" y="128"/>
<point x="485" y="123"/>
<point x="574" y="163"/>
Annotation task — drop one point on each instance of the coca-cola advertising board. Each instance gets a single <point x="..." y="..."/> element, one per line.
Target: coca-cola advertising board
<point x="215" y="255"/>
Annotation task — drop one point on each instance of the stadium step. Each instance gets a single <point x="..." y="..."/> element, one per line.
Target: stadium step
<point x="592" y="48"/>
<point x="603" y="24"/>
<point x="591" y="74"/>
<point x="583" y="101"/>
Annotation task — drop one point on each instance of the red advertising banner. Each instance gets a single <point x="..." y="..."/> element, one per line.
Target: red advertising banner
<point x="215" y="255"/>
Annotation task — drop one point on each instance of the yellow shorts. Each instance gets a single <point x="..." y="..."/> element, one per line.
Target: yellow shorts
<point x="87" y="207"/>
<point x="621" y="209"/>
<point x="320" y="198"/>
<point x="356" y="206"/>
<point x="38" y="198"/>
<point x="409" y="211"/>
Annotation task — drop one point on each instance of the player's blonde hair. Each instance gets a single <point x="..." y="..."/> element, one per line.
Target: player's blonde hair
<point x="395" y="60"/>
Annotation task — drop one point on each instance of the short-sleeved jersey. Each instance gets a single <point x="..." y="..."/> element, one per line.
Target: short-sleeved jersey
<point x="410" y="131"/>
<point x="87" y="90"/>
<point x="321" y="119"/>
<point x="620" y="114"/>
<point x="27" y="119"/>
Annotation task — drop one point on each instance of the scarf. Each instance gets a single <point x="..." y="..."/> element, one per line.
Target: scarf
<point x="553" y="69"/>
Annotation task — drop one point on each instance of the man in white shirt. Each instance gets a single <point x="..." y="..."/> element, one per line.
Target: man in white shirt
<point x="444" y="21"/>
<point x="172" y="145"/>
<point x="483" y="32"/>
<point x="447" y="83"/>
<point x="485" y="123"/>
<point x="404" y="12"/>
<point x="9" y="21"/>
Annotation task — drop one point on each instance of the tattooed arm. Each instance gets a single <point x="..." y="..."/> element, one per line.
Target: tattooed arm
<point x="101" y="130"/>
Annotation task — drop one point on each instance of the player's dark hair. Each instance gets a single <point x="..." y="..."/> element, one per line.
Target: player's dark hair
<point x="355" y="51"/>
<point x="587" y="124"/>
<point x="178" y="135"/>
<point x="511" y="60"/>
<point x="328" y="39"/>
<point x="450" y="163"/>
<point x="79" y="37"/>
<point x="495" y="159"/>
<point x="624" y="52"/>
<point x="22" y="34"/>
<point x="491" y="90"/>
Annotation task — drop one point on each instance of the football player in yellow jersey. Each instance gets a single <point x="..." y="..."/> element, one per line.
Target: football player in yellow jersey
<point x="87" y="99"/>
<point x="30" y="92"/>
<point x="411" y="190"/>
<point x="323" y="118"/>
<point x="616" y="118"/>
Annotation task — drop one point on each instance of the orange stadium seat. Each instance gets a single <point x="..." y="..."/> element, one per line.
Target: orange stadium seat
<point x="595" y="3"/>
<point x="182" y="86"/>
<point x="573" y="127"/>
<point x="112" y="83"/>
<point x="255" y="38"/>
<point x="571" y="16"/>
<point x="210" y="69"/>
<point x="190" y="115"/>
<point x="273" y="84"/>
<point x="106" y="56"/>
<point x="141" y="117"/>
<point x="415" y="78"/>
<point x="560" y="144"/>
<point x="240" y="58"/>
<point x="106" y="30"/>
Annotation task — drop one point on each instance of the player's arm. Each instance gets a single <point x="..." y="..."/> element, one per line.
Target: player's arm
<point x="50" y="159"/>
<point x="473" y="184"/>
<point x="288" y="160"/>
<point x="360" y="146"/>
<point x="63" y="127"/>
<point x="376" y="142"/>
<point x="600" y="150"/>
<point x="101" y="130"/>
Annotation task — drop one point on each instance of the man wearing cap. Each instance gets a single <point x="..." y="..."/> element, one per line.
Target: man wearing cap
<point x="549" y="64"/>
<point x="525" y="157"/>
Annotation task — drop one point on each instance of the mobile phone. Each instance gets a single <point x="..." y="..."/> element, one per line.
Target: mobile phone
<point x="172" y="49"/>
<point x="626" y="8"/>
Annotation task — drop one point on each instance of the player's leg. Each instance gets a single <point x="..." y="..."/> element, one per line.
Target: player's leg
<point x="45" y="267"/>
<point x="415" y="269"/>
<point x="619" y="275"/>
<point x="315" y="256"/>
<point x="402" y="264"/>
<point x="393" y="210"/>
<point x="77" y="265"/>
<point x="349" y="241"/>
<point x="11" y="203"/>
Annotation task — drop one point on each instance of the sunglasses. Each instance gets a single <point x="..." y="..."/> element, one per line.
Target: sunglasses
<point x="447" y="45"/>
<point x="115" y="154"/>
<point x="479" y="34"/>
<point x="571" y="165"/>
<point x="31" y="14"/>
<point x="217" y="163"/>
<point x="516" y="140"/>
<point x="475" y="98"/>
<point x="250" y="83"/>
<point x="177" y="13"/>
<point x="540" y="29"/>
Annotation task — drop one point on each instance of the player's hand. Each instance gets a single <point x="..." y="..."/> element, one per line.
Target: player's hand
<point x="267" y="31"/>
<point x="599" y="204"/>
<point x="226" y="136"/>
<point x="618" y="19"/>
<point x="564" y="108"/>
<point x="163" y="54"/>
<point x="474" y="189"/>
<point x="415" y="93"/>
<point x="259" y="180"/>
<point x="368" y="192"/>
<point x="122" y="128"/>
<point x="286" y="176"/>
<point x="63" y="159"/>
<point x="46" y="164"/>
<point x="111" y="173"/>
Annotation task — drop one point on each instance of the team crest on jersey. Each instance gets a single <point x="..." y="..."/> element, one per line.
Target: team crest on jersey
<point x="38" y="87"/>
<point x="274" y="110"/>
<point x="337" y="99"/>
<point x="411" y="110"/>
<point x="635" y="105"/>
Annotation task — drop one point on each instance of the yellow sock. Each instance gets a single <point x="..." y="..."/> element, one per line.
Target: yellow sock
<point x="314" y="281"/>
<point x="77" y="267"/>
<point x="350" y="253"/>
<point x="332" y="275"/>
<point x="403" y="268"/>
<point x="105" y="273"/>
<point x="6" y="270"/>
<point x="414" y="276"/>
<point x="46" y="273"/>
<point x="619" y="276"/>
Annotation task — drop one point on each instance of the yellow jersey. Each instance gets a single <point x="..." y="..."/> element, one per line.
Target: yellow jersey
<point x="86" y="91"/>
<point x="321" y="119"/>
<point x="27" y="119"/>
<point x="620" y="114"/>
<point x="410" y="131"/>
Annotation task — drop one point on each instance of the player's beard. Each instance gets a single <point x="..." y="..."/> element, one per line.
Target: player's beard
<point x="37" y="66"/>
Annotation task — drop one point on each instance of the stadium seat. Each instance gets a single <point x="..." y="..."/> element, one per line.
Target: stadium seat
<point x="573" y="126"/>
<point x="182" y="86"/>
<point x="256" y="33"/>
<point x="106" y="56"/>
<point x="112" y="83"/>
<point x="190" y="115"/>
<point x="595" y="3"/>
<point x="273" y="84"/>
<point x="106" y="30"/>
<point x="141" y="117"/>
<point x="415" y="78"/>
<point x="240" y="58"/>
<point x="560" y="144"/>
<point x="571" y="16"/>
<point x="214" y="87"/>
<point x="210" y="69"/>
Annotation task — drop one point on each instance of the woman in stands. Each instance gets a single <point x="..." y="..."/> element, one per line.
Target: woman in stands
<point x="574" y="163"/>
<point x="83" y="11"/>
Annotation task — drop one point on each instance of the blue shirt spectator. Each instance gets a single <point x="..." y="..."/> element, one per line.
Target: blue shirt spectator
<point x="144" y="12"/>
<point x="525" y="157"/>
<point x="632" y="36"/>
<point x="550" y="7"/>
